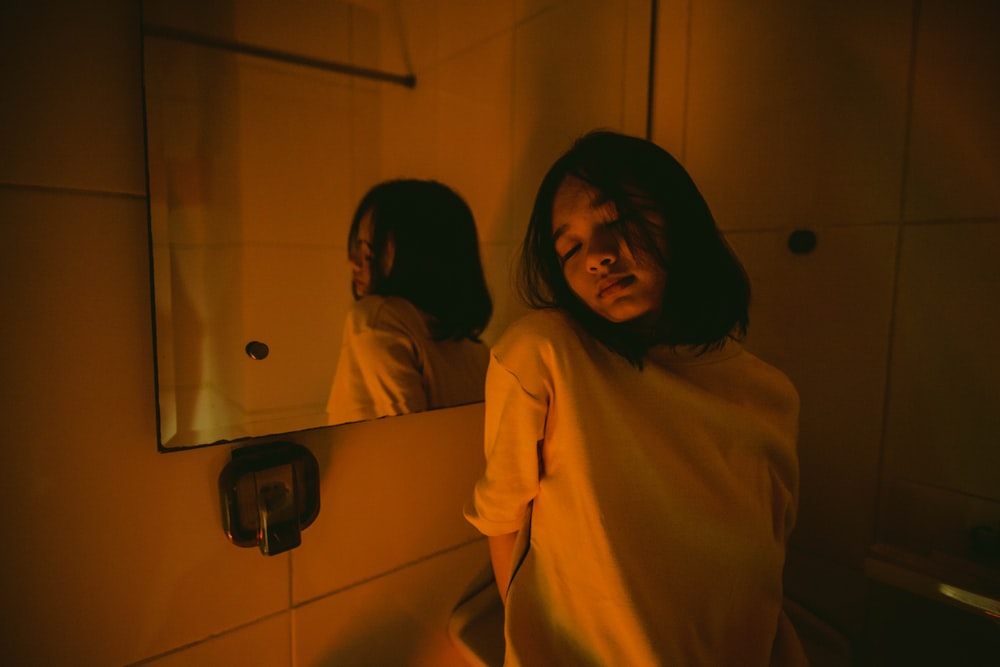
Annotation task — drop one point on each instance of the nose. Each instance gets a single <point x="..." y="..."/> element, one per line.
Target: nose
<point x="602" y="251"/>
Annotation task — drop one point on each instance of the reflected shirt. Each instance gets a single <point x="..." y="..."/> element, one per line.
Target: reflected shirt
<point x="390" y="365"/>
<point x="661" y="500"/>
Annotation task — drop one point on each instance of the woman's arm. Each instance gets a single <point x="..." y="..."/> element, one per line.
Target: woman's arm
<point x="502" y="555"/>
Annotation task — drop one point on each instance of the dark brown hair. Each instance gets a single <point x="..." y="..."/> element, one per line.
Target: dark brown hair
<point x="707" y="295"/>
<point x="436" y="264"/>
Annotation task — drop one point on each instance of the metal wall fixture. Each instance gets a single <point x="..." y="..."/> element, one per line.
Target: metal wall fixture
<point x="269" y="495"/>
<point x="408" y="80"/>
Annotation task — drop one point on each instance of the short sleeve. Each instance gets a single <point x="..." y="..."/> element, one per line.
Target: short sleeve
<point x="378" y="373"/>
<point x="514" y="427"/>
<point x="388" y="365"/>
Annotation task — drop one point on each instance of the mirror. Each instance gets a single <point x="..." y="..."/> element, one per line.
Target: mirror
<point x="267" y="123"/>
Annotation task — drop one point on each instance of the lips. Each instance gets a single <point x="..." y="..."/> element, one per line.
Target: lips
<point x="614" y="284"/>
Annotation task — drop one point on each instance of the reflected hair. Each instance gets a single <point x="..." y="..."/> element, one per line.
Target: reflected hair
<point x="436" y="263"/>
<point x="707" y="294"/>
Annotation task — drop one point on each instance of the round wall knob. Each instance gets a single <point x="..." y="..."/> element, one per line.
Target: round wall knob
<point x="257" y="350"/>
<point x="802" y="241"/>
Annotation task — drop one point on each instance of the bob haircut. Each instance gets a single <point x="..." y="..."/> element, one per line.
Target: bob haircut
<point x="707" y="295"/>
<point x="436" y="264"/>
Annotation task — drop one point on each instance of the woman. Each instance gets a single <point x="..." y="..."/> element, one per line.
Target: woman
<point x="411" y="339"/>
<point x="641" y="474"/>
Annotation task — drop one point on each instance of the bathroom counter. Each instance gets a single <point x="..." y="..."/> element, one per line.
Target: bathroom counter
<point x="938" y="577"/>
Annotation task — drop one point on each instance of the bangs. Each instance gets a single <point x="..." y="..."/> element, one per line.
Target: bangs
<point x="643" y="226"/>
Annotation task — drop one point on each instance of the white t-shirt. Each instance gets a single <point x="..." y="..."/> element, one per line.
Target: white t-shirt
<point x="661" y="500"/>
<point x="390" y="365"/>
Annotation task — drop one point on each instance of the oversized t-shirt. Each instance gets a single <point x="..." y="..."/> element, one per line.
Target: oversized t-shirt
<point x="390" y="365"/>
<point x="661" y="500"/>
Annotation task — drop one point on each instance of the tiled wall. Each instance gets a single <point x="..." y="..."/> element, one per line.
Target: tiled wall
<point x="278" y="160"/>
<point x="873" y="124"/>
<point x="275" y="156"/>
<point x="120" y="557"/>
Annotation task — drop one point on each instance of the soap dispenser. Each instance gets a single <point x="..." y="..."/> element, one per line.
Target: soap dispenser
<point x="269" y="494"/>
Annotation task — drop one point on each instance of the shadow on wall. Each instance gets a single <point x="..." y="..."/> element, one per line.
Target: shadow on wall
<point x="401" y="625"/>
<point x="824" y="646"/>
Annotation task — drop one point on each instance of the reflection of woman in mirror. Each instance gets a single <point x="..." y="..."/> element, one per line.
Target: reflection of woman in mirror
<point x="411" y="338"/>
<point x="641" y="469"/>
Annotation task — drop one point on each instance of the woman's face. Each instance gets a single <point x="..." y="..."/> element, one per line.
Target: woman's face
<point x="362" y="255"/>
<point x="616" y="283"/>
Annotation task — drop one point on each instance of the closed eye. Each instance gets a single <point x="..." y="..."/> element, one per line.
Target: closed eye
<point x="569" y="253"/>
<point x="361" y="251"/>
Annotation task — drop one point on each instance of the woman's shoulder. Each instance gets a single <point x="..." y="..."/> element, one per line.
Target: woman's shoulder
<point x="541" y="339"/>
<point x="538" y="327"/>
<point x="770" y="384"/>
<point x="775" y="378"/>
<point x="374" y="311"/>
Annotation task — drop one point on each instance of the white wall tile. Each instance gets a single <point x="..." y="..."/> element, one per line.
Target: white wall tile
<point x="464" y="25"/>
<point x="926" y="519"/>
<point x="800" y="305"/>
<point x="636" y="66"/>
<point x="474" y="151"/>
<point x="455" y="127"/>
<point x="294" y="298"/>
<point x="795" y="114"/>
<point x="366" y="143"/>
<point x="438" y="30"/>
<point x="121" y="550"/>
<point x="312" y="29"/>
<point x="944" y="401"/>
<point x="411" y="128"/>
<point x="795" y="111"/>
<point x="671" y="75"/>
<point x="527" y="9"/>
<point x="257" y="149"/>
<point x="392" y="492"/>
<point x="500" y="265"/>
<point x="955" y="137"/>
<point x="418" y="33"/>
<point x="266" y="642"/>
<point x="398" y="619"/>
<point x="72" y="82"/>
<point x="564" y="88"/>
<point x="293" y="155"/>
